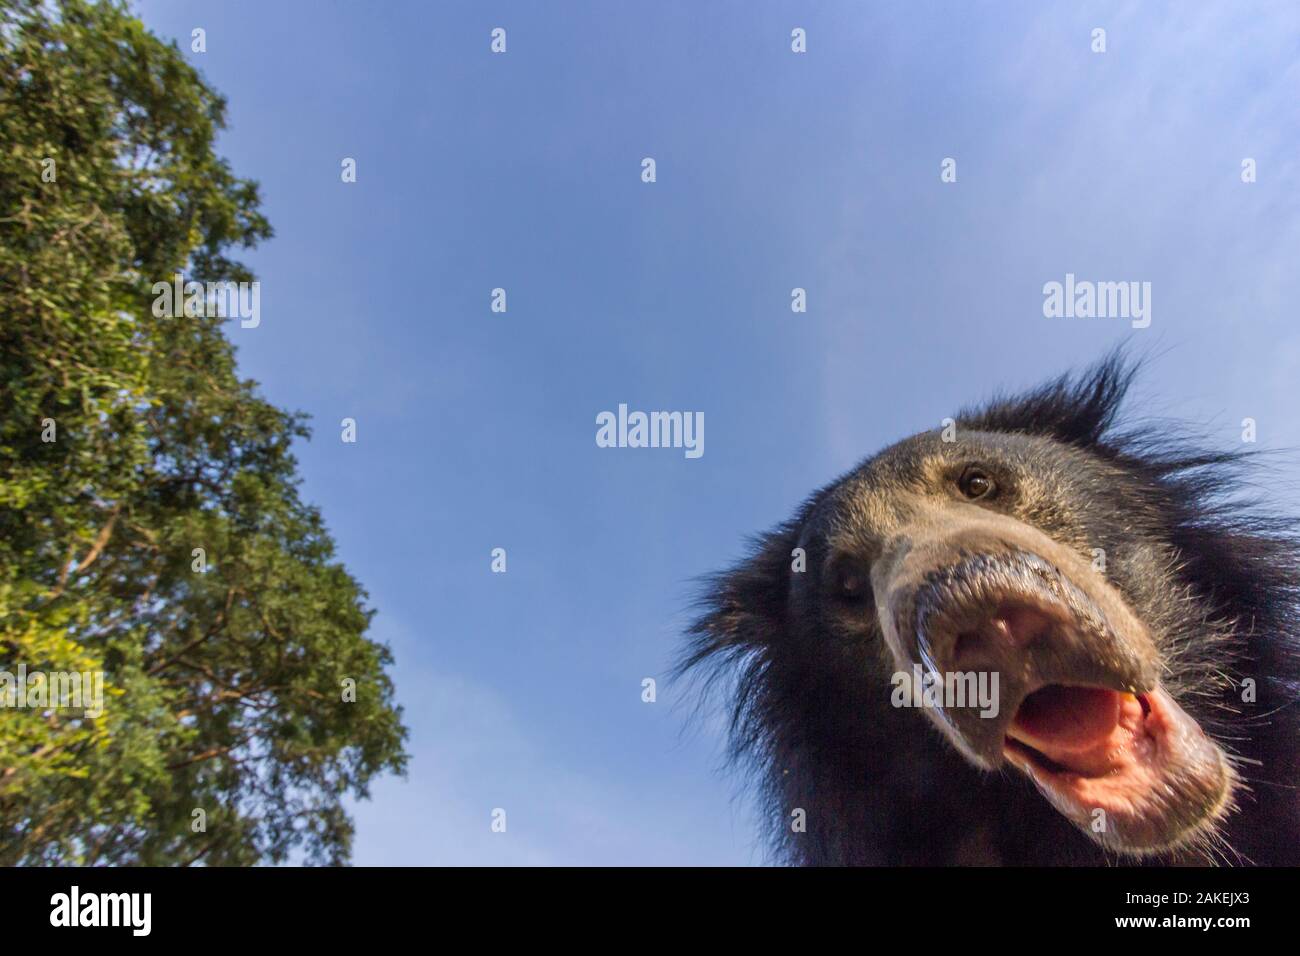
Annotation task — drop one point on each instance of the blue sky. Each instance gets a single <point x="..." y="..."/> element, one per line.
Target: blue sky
<point x="775" y="170"/>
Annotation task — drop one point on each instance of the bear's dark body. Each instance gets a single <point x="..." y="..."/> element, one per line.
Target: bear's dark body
<point x="877" y="784"/>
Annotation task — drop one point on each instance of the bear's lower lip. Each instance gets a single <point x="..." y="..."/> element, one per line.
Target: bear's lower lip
<point x="1133" y="768"/>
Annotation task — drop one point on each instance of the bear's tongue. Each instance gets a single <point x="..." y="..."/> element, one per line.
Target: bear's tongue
<point x="1087" y="730"/>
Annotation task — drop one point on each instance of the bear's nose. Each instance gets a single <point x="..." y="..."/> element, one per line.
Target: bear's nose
<point x="994" y="643"/>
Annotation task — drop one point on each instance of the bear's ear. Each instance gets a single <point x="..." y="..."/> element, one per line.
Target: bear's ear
<point x="744" y="609"/>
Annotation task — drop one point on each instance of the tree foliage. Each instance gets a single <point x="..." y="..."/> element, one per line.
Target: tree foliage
<point x="224" y="687"/>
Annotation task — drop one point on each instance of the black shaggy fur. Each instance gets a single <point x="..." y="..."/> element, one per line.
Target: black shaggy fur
<point x="884" y="788"/>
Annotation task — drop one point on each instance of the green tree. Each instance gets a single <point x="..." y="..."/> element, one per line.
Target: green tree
<point x="224" y="688"/>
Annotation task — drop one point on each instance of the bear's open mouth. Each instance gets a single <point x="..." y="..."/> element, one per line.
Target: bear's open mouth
<point x="1135" y="769"/>
<point x="1090" y="732"/>
<point x="1086" y="717"/>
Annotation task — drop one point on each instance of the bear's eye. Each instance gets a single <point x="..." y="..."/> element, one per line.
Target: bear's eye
<point x="976" y="483"/>
<point x="850" y="581"/>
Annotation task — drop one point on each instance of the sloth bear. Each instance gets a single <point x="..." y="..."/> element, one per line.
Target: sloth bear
<point x="1134" y="616"/>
